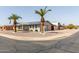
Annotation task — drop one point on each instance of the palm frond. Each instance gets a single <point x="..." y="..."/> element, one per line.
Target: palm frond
<point x="10" y="22"/>
<point x="47" y="11"/>
<point x="42" y="12"/>
<point x="45" y="8"/>
<point x="10" y="17"/>
<point x="18" y="17"/>
<point x="38" y="12"/>
<point x="14" y="17"/>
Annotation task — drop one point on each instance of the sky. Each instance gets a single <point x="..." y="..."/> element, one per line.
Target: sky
<point x="62" y="14"/>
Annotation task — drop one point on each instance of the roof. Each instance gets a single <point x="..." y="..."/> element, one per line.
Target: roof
<point x="29" y="23"/>
<point x="32" y="23"/>
<point x="55" y="24"/>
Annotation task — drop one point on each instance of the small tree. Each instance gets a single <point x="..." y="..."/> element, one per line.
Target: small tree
<point x="14" y="17"/>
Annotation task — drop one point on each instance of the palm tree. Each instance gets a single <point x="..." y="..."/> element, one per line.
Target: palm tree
<point x="59" y="25"/>
<point x="42" y="12"/>
<point x="14" y="18"/>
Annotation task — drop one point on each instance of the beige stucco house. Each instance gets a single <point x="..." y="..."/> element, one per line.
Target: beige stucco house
<point x="35" y="26"/>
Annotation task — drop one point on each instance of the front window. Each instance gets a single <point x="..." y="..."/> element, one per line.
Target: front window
<point x="19" y="27"/>
<point x="30" y="26"/>
<point x="35" y="26"/>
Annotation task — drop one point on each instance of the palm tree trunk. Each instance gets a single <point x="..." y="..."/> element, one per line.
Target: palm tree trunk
<point x="42" y="24"/>
<point x="14" y="26"/>
<point x="58" y="26"/>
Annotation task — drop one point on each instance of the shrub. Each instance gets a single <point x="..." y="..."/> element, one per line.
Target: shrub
<point x="36" y="30"/>
<point x="31" y="30"/>
<point x="71" y="26"/>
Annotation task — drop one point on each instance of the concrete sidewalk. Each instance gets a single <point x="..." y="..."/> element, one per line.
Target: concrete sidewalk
<point x="36" y="36"/>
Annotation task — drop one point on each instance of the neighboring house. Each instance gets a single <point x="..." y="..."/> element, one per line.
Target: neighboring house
<point x="34" y="26"/>
<point x="58" y="26"/>
<point x="55" y="26"/>
<point x="6" y="27"/>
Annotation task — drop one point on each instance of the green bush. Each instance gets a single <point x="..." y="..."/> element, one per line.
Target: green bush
<point x="71" y="26"/>
<point x="36" y="30"/>
<point x="31" y="30"/>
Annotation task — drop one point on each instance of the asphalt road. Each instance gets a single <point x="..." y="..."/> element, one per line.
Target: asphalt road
<point x="66" y="45"/>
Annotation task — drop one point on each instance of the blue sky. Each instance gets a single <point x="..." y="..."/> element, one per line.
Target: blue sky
<point x="63" y="14"/>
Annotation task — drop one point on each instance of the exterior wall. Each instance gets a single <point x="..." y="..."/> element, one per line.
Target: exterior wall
<point x="61" y="28"/>
<point x="55" y="27"/>
<point x="28" y="28"/>
<point x="48" y="26"/>
<point x="19" y="27"/>
<point x="34" y="28"/>
<point x="23" y="28"/>
<point x="31" y="27"/>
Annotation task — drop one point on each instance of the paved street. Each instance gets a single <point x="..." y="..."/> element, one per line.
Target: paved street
<point x="7" y="45"/>
<point x="70" y="44"/>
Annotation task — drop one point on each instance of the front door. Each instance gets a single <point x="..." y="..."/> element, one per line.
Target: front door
<point x="52" y="27"/>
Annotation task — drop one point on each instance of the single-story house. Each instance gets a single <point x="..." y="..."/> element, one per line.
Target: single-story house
<point x="35" y="26"/>
<point x="57" y="26"/>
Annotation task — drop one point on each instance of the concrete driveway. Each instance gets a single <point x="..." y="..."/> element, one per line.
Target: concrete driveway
<point x="66" y="45"/>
